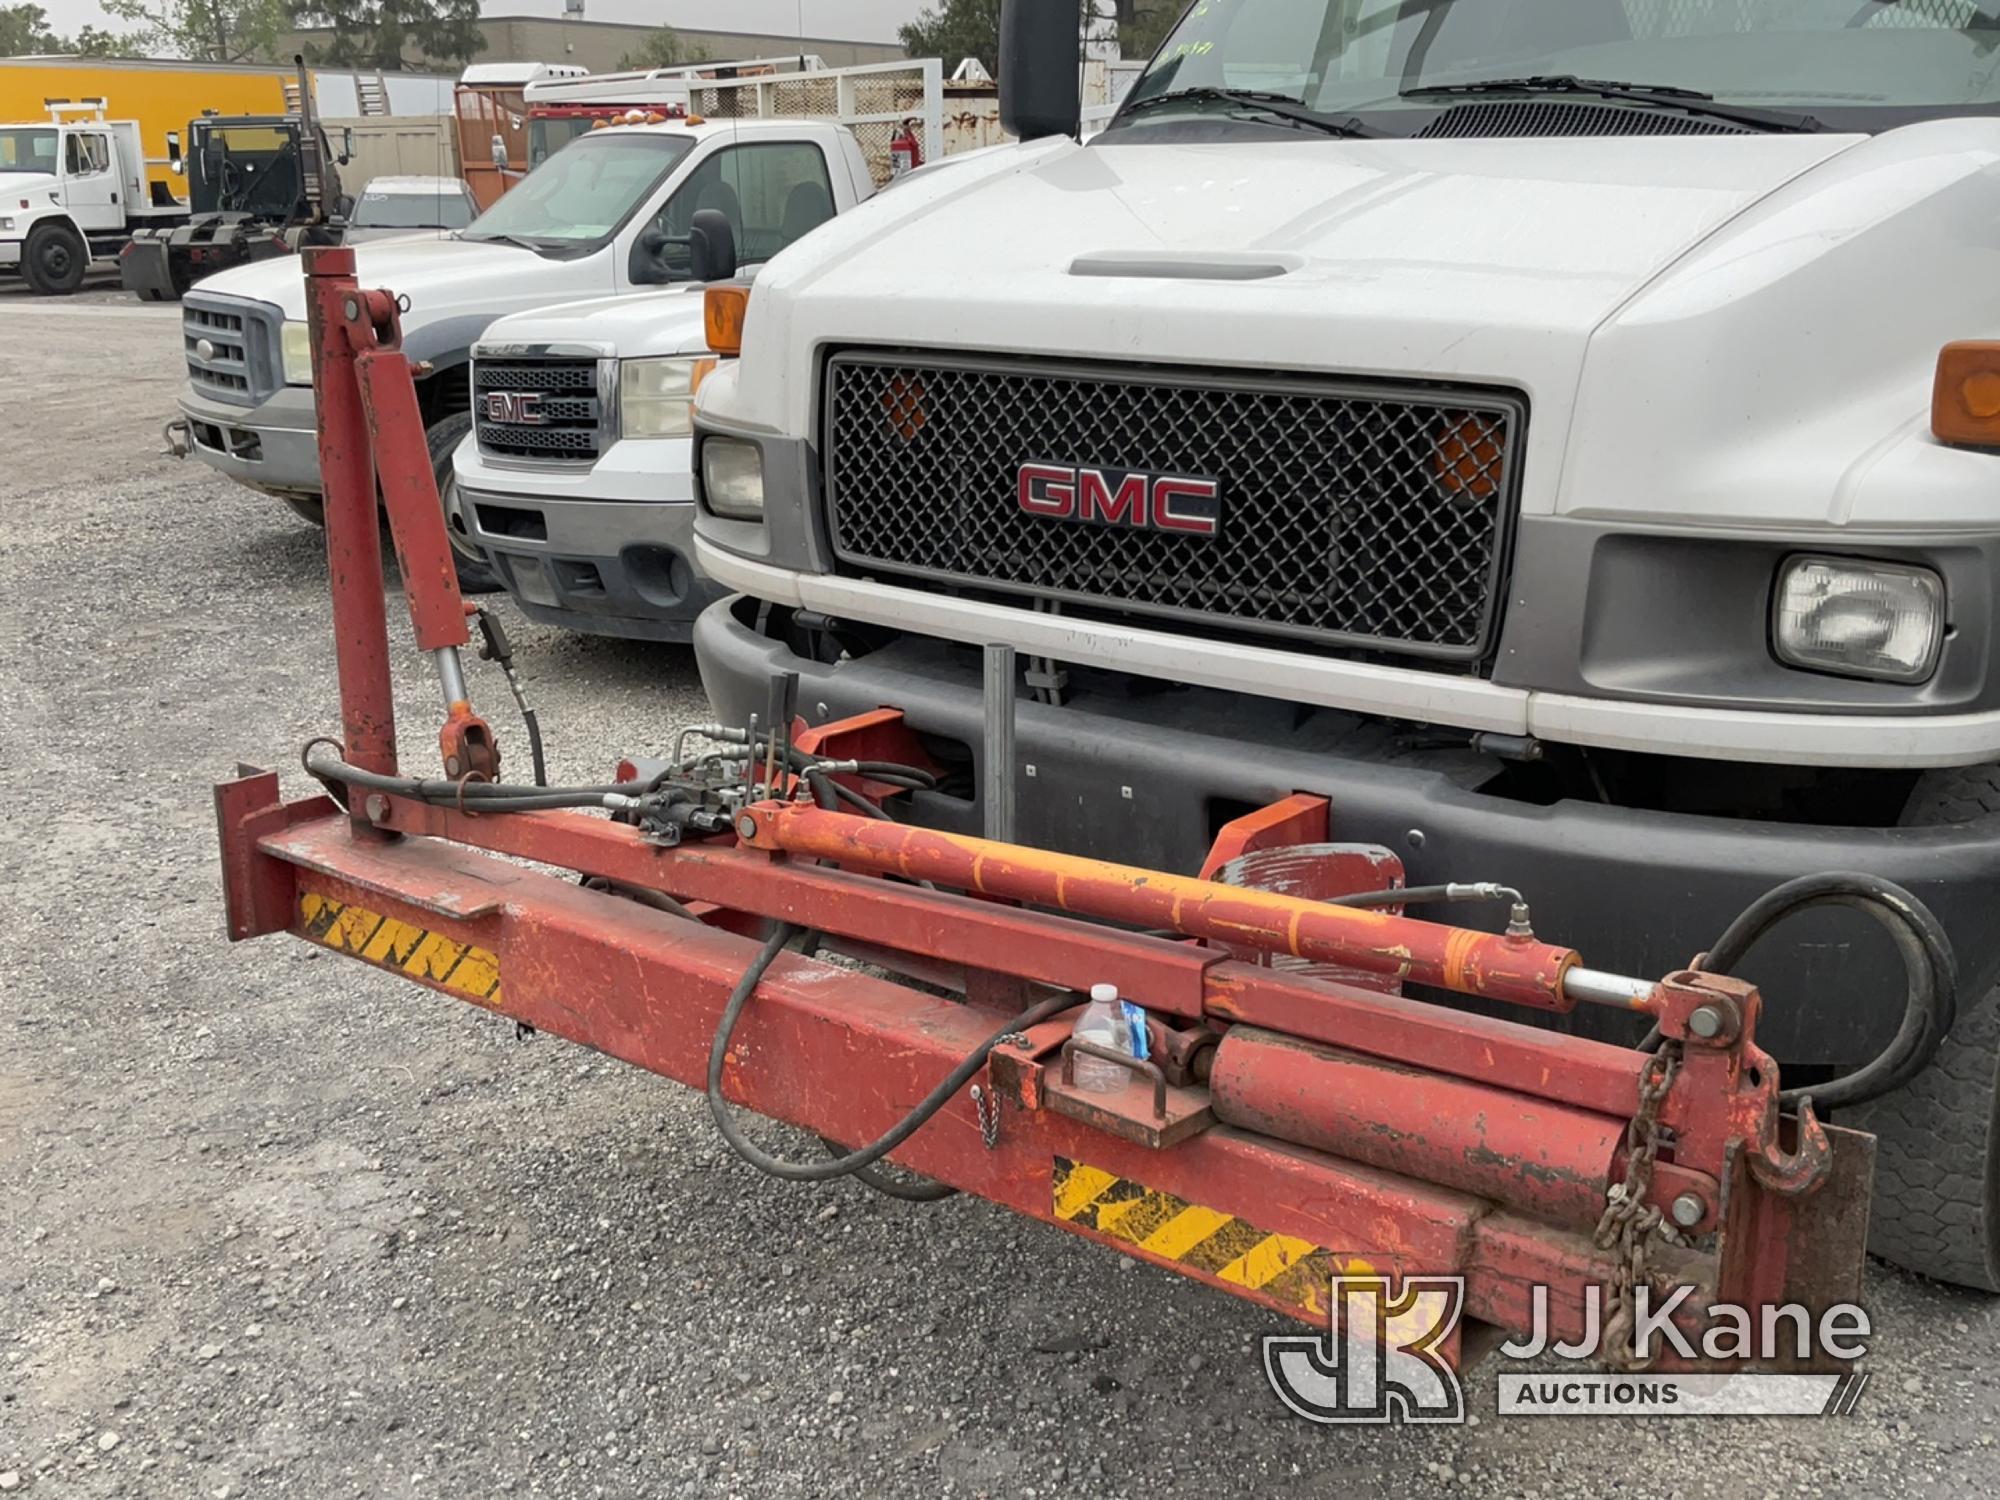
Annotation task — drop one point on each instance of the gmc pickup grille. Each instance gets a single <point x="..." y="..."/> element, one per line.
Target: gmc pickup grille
<point x="538" y="408"/>
<point x="1370" y="516"/>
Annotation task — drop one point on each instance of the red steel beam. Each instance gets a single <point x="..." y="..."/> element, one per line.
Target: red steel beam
<point x="1175" y="979"/>
<point x="1523" y="971"/>
<point x="353" y="532"/>
<point x="846" y="1055"/>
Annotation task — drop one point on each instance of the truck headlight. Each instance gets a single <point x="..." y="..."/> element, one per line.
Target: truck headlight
<point x="656" y="396"/>
<point x="295" y="345"/>
<point x="1858" y="619"/>
<point x="732" y="478"/>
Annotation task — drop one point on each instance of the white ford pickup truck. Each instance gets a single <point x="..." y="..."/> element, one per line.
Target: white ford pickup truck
<point x="1565" y="434"/>
<point x="607" y="214"/>
<point x="584" y="505"/>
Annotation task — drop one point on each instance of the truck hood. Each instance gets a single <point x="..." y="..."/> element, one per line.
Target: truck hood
<point x="15" y="186"/>
<point x="667" y="321"/>
<point x="440" y="277"/>
<point x="1488" y="261"/>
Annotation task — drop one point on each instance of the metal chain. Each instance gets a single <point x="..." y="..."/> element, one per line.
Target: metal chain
<point x="1629" y="1222"/>
<point x="988" y="1109"/>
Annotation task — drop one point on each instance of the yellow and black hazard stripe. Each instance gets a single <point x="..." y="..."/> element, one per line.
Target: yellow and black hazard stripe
<point x="1278" y="1267"/>
<point x="462" y="968"/>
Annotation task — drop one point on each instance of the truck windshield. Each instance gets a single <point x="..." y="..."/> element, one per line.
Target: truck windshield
<point x="28" y="151"/>
<point x="444" y="209"/>
<point x="580" y="196"/>
<point x="1342" y="56"/>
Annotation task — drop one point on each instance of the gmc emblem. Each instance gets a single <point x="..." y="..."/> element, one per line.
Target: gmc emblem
<point x="522" y="408"/>
<point x="1181" y="503"/>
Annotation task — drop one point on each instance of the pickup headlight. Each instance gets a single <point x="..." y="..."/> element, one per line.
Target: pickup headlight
<point x="656" y="396"/>
<point x="295" y="345"/>
<point x="1859" y="619"/>
<point x="732" y="478"/>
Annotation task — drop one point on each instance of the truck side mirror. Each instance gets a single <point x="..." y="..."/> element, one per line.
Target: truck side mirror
<point x="649" y="257"/>
<point x="711" y="245"/>
<point x="1040" y="57"/>
<point x="174" y="151"/>
<point x="346" y="146"/>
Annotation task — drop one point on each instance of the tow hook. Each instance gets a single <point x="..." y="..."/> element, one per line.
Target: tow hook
<point x="1795" y="1173"/>
<point x="175" y="435"/>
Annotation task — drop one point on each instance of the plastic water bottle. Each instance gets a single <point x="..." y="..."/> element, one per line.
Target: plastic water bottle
<point x="1104" y="1023"/>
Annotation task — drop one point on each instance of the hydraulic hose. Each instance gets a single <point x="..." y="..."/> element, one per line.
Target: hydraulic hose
<point x="1930" y="1003"/>
<point x="852" y="1162"/>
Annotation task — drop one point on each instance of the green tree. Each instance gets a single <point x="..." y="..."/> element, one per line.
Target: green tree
<point x="393" y="34"/>
<point x="664" y="47"/>
<point x="24" y="29"/>
<point x="956" y="29"/>
<point x="211" y="30"/>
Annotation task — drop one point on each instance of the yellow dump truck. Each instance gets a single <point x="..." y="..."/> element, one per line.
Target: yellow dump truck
<point x="161" y="96"/>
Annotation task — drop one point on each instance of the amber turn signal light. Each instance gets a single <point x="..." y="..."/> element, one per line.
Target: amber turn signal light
<point x="723" y="309"/>
<point x="1965" y="399"/>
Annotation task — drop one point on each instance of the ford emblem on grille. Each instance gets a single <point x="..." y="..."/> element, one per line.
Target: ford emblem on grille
<point x="1183" y="503"/>
<point x="521" y="408"/>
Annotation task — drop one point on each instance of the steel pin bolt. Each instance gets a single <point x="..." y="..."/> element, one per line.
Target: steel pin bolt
<point x="376" y="807"/>
<point x="1688" y="1210"/>
<point x="746" y="827"/>
<point x="1705" y="1022"/>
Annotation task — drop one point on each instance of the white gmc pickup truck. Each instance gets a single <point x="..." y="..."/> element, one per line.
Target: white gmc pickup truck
<point x="585" y="509"/>
<point x="1563" y="433"/>
<point x="607" y="214"/>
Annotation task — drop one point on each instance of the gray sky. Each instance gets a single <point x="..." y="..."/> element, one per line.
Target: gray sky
<point x="841" y="20"/>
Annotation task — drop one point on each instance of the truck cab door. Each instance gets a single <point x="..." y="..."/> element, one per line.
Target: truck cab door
<point x="90" y="184"/>
<point x="772" y="193"/>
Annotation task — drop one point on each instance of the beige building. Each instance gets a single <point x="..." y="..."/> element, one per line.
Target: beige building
<point x="598" y="45"/>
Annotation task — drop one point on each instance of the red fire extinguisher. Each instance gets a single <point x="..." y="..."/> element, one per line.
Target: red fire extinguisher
<point x="905" y="155"/>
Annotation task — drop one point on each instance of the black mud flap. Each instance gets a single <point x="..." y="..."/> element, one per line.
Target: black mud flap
<point x="144" y="269"/>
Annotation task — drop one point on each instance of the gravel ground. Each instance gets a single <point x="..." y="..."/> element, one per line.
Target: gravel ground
<point x="271" y="1223"/>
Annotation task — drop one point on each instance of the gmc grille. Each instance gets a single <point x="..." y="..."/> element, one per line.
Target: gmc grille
<point x="561" y="417"/>
<point x="1359" y="515"/>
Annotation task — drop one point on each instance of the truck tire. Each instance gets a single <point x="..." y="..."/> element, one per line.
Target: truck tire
<point x="54" y="259"/>
<point x="1937" y="1163"/>
<point x="443" y="436"/>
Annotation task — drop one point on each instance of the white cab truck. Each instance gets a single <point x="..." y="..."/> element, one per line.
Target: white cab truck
<point x="610" y="213"/>
<point x="585" y="508"/>
<point x="73" y="189"/>
<point x="1560" y="432"/>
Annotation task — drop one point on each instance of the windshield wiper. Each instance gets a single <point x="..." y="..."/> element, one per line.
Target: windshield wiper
<point x="519" y="240"/>
<point x="1690" y="101"/>
<point x="1279" y="106"/>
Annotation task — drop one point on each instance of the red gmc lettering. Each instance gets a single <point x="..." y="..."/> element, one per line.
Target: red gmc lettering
<point x="1188" y="505"/>
<point x="1121" y="497"/>
<point x="1096" y="501"/>
<point x="1047" y="490"/>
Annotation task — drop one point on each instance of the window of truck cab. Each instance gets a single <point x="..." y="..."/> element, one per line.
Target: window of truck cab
<point x="28" y="150"/>
<point x="86" y="154"/>
<point x="772" y="192"/>
<point x="1853" y="64"/>
<point x="584" y="194"/>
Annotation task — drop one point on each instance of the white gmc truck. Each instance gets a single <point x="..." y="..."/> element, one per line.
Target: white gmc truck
<point x="610" y="213"/>
<point x="584" y="508"/>
<point x="1563" y="433"/>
